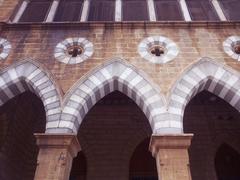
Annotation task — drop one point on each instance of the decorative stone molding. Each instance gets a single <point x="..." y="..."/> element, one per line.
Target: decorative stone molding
<point x="158" y="49"/>
<point x="73" y="50"/>
<point x="231" y="46"/>
<point x="5" y="48"/>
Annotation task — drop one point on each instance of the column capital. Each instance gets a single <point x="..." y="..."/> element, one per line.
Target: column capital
<point x="169" y="141"/>
<point x="58" y="141"/>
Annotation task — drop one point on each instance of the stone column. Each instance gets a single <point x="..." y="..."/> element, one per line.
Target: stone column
<point x="56" y="152"/>
<point x="171" y="153"/>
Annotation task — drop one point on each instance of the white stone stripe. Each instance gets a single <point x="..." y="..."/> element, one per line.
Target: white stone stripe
<point x="178" y="99"/>
<point x="2" y="82"/>
<point x="12" y="74"/>
<point x="52" y="111"/>
<point x="95" y="80"/>
<point x="34" y="73"/>
<point x="145" y="89"/>
<point x="126" y="73"/>
<point x="70" y="110"/>
<point x="157" y="111"/>
<point x="135" y="81"/>
<point x="232" y="80"/>
<point x="199" y="73"/>
<point x="161" y="124"/>
<point x="85" y="10"/>
<point x="151" y="10"/>
<point x="77" y="99"/>
<point x="106" y="74"/>
<point x="47" y="89"/>
<point x="183" y="88"/>
<point x="118" y="10"/>
<point x="176" y="111"/>
<point x="219" y="10"/>
<point x="20" y="11"/>
<point x="52" y="11"/>
<point x="223" y="92"/>
<point x="235" y="98"/>
<point x="66" y="124"/>
<point x="218" y="75"/>
<point x="190" y="80"/>
<point x="185" y="11"/>
<point x="51" y="100"/>
<point x="175" y="124"/>
<point x="41" y="81"/>
<point x="152" y="99"/>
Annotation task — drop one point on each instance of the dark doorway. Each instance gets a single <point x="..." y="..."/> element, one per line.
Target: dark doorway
<point x="109" y="134"/>
<point x="227" y="163"/>
<point x="213" y="121"/>
<point x="142" y="164"/>
<point x="20" y="118"/>
<point x="79" y="167"/>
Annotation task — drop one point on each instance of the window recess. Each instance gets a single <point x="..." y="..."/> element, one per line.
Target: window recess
<point x="36" y="11"/>
<point x="168" y="10"/>
<point x="102" y="10"/>
<point x="231" y="9"/>
<point x="69" y="10"/>
<point x="135" y="10"/>
<point x="202" y="10"/>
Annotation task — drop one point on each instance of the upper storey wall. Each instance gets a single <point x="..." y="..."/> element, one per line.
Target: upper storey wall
<point x="7" y="8"/>
<point x="118" y="40"/>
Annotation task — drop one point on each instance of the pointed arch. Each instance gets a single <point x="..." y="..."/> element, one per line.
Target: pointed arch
<point x="28" y="75"/>
<point x="114" y="75"/>
<point x="207" y="75"/>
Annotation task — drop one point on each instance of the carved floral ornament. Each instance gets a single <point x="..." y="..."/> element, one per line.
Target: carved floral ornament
<point x="231" y="46"/>
<point x="5" y="48"/>
<point x="158" y="49"/>
<point x="73" y="50"/>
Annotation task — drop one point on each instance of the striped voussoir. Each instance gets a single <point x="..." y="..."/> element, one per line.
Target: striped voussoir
<point x="28" y="76"/>
<point x="204" y="75"/>
<point x="5" y="48"/>
<point x="115" y="75"/>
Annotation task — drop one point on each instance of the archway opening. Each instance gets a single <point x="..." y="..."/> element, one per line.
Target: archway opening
<point x="212" y="121"/>
<point x="142" y="164"/>
<point x="20" y="118"/>
<point x="79" y="167"/>
<point x="109" y="134"/>
<point x="227" y="163"/>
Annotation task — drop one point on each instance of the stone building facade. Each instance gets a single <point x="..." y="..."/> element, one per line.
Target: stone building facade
<point x="119" y="89"/>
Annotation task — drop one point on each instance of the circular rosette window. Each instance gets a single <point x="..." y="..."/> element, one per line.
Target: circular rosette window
<point x="73" y="50"/>
<point x="231" y="46"/>
<point x="158" y="49"/>
<point x="5" y="48"/>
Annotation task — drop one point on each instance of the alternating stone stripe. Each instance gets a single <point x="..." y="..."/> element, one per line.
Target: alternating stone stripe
<point x="115" y="75"/>
<point x="205" y="75"/>
<point x="5" y="47"/>
<point x="28" y="76"/>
